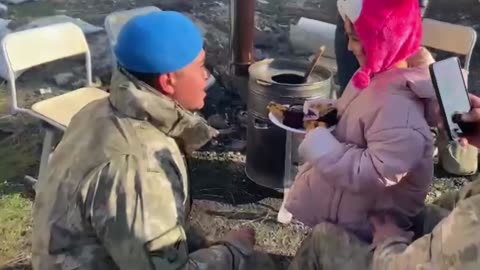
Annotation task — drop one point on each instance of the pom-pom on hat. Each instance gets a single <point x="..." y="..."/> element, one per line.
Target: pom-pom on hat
<point x="158" y="42"/>
<point x="389" y="31"/>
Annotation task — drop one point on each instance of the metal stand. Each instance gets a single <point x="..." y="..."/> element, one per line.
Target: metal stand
<point x="45" y="156"/>
<point x="288" y="177"/>
<point x="46" y="150"/>
<point x="283" y="215"/>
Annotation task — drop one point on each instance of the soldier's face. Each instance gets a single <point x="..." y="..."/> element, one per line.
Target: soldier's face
<point x="187" y="86"/>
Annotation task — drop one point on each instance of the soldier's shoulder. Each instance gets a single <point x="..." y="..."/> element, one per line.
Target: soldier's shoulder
<point x="469" y="206"/>
<point x="460" y="235"/>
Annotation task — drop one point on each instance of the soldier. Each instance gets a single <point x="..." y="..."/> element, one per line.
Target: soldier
<point x="453" y="244"/>
<point x="116" y="192"/>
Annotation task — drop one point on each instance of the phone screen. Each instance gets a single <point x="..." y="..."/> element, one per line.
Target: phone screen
<point x="451" y="91"/>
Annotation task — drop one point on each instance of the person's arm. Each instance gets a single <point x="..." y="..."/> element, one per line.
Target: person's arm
<point x="396" y="254"/>
<point x="472" y="117"/>
<point x="390" y="154"/>
<point x="453" y="244"/>
<point x="134" y="213"/>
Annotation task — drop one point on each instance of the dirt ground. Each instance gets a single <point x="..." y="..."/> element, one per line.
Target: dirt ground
<point x="224" y="197"/>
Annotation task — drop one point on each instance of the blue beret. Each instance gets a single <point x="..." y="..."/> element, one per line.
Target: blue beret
<point x="159" y="42"/>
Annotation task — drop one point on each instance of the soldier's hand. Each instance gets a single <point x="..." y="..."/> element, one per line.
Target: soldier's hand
<point x="244" y="235"/>
<point x="472" y="117"/>
<point x="384" y="227"/>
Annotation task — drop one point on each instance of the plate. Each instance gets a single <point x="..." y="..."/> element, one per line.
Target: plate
<point x="279" y="123"/>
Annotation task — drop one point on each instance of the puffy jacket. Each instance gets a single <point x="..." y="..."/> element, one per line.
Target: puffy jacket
<point x="381" y="157"/>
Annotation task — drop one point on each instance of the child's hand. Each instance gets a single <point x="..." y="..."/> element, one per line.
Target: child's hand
<point x="317" y="143"/>
<point x="310" y="125"/>
<point x="314" y="103"/>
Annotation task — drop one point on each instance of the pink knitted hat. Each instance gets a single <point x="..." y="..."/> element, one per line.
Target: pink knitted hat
<point x="389" y="31"/>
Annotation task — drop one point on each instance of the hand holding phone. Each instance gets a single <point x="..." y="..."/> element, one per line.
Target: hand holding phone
<point x="452" y="95"/>
<point x="472" y="118"/>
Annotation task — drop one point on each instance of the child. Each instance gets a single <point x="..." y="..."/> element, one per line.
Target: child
<point x="379" y="158"/>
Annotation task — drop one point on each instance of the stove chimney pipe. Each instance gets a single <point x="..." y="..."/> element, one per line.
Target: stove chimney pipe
<point x="242" y="18"/>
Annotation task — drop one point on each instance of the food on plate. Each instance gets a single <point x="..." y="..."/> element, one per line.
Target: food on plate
<point x="325" y="113"/>
<point x="312" y="124"/>
<point x="277" y="109"/>
<point x="293" y="116"/>
<point x="319" y="115"/>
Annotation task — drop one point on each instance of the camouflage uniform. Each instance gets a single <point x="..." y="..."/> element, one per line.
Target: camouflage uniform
<point x="116" y="190"/>
<point x="329" y="247"/>
<point x="453" y="244"/>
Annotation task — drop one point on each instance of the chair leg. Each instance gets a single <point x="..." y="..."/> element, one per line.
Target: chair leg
<point x="31" y="182"/>
<point x="46" y="150"/>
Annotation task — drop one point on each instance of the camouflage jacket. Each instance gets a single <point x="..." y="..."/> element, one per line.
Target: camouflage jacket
<point x="453" y="244"/>
<point x="116" y="189"/>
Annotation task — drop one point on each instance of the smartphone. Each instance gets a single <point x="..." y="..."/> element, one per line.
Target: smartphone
<point x="452" y="95"/>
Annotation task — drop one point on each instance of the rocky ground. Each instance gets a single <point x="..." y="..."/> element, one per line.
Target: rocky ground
<point x="224" y="197"/>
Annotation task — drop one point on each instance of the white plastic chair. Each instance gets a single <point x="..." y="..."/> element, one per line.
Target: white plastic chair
<point x="25" y="49"/>
<point x="116" y="20"/>
<point x="448" y="37"/>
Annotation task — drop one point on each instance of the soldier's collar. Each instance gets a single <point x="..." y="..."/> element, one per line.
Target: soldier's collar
<point x="138" y="100"/>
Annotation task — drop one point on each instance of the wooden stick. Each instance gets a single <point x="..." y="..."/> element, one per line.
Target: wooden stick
<point x="313" y="63"/>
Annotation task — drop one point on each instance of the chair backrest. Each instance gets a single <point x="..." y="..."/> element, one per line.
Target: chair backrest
<point x="33" y="47"/>
<point x="29" y="48"/>
<point x="116" y="20"/>
<point x="453" y="38"/>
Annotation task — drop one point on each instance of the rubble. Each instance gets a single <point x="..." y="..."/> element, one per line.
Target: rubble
<point x="79" y="83"/>
<point x="45" y="91"/>
<point x="308" y="35"/>
<point x="7" y="125"/>
<point x="63" y="79"/>
<point x="16" y="2"/>
<point x="44" y="21"/>
<point x="227" y="131"/>
<point x="218" y="121"/>
<point x="101" y="56"/>
<point x="3" y="10"/>
<point x="237" y="145"/>
<point x="79" y="70"/>
<point x="4" y="30"/>
<point x="242" y="118"/>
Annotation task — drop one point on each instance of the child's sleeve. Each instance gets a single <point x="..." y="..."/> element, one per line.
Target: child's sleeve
<point x="390" y="154"/>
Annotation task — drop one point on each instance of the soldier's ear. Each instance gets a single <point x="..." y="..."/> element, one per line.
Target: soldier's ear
<point x="167" y="83"/>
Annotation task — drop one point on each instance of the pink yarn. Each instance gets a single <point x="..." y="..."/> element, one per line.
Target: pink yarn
<point x="361" y="79"/>
<point x="389" y="31"/>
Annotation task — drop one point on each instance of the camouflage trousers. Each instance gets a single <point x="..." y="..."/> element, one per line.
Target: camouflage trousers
<point x="331" y="247"/>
